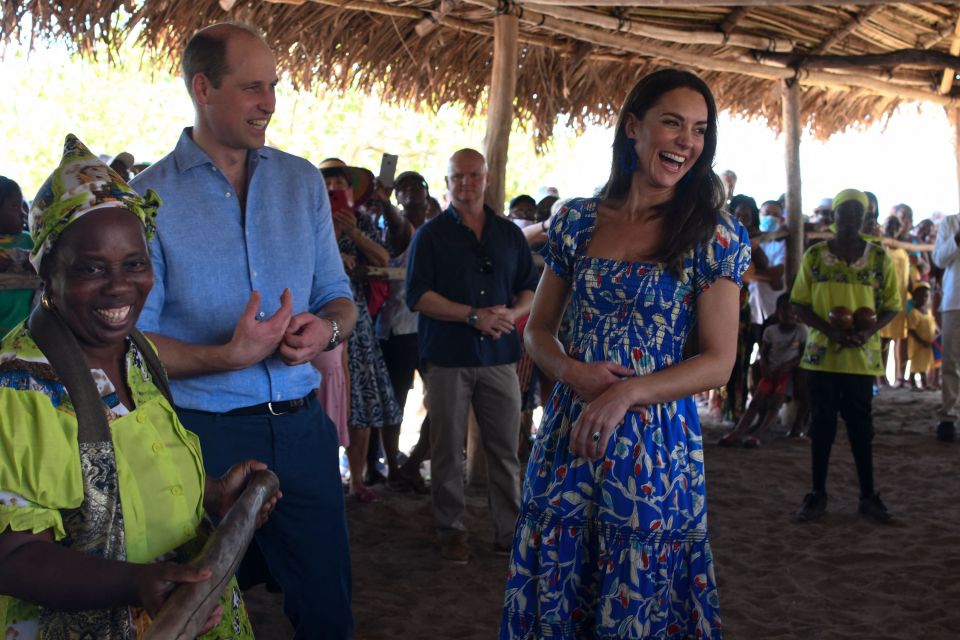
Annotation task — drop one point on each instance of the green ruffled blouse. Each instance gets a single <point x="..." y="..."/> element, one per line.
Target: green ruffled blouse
<point x="159" y="468"/>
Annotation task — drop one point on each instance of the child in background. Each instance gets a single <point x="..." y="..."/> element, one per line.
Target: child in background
<point x="922" y="329"/>
<point x="780" y="349"/>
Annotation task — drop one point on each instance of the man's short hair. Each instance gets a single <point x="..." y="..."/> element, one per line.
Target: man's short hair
<point x="206" y="52"/>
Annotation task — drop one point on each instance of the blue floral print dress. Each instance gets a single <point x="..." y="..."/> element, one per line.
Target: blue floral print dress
<point x="618" y="548"/>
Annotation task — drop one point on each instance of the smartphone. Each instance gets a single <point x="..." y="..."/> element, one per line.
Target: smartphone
<point x="388" y="170"/>
<point x="338" y="201"/>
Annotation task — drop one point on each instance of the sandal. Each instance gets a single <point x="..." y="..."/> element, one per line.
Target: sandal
<point x="365" y="495"/>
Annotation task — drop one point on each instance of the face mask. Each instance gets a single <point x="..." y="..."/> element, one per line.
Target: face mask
<point x="768" y="224"/>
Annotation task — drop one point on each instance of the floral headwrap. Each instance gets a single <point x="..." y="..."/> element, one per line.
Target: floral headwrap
<point x="81" y="184"/>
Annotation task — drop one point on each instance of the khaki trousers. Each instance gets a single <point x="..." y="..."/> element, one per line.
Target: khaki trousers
<point x="950" y="371"/>
<point x="494" y="393"/>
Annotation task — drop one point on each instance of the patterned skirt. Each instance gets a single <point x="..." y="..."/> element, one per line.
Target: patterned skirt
<point x="372" y="402"/>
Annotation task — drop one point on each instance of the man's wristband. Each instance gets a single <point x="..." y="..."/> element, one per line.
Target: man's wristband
<point x="335" y="337"/>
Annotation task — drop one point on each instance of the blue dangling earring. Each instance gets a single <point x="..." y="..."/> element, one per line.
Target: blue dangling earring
<point x="629" y="158"/>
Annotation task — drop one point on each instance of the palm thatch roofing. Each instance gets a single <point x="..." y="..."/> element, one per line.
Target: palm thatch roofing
<point x="855" y="62"/>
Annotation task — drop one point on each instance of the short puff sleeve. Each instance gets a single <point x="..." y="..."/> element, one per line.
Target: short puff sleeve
<point x="566" y="235"/>
<point x="724" y="255"/>
<point x="39" y="462"/>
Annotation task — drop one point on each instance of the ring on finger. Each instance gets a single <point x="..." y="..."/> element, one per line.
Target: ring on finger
<point x="596" y="437"/>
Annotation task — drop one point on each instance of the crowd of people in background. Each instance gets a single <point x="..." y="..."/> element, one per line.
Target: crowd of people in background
<point x="383" y="282"/>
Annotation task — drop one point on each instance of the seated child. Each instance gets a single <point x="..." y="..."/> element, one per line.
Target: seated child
<point x="780" y="349"/>
<point x="921" y="330"/>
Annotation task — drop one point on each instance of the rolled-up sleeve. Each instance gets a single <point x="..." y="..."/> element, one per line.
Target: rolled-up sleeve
<point x="329" y="279"/>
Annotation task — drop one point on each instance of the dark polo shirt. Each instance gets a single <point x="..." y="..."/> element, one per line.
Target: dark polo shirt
<point x="446" y="257"/>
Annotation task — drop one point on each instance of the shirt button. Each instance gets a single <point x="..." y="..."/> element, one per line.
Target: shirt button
<point x="262" y="314"/>
<point x="176" y="490"/>
<point x="157" y="447"/>
<point x="254" y="274"/>
<point x="226" y="194"/>
<point x="140" y="418"/>
<point x="188" y="530"/>
<point x="482" y="292"/>
<point x="278" y="396"/>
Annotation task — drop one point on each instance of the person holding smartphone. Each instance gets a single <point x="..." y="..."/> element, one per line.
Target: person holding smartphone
<point x="372" y="401"/>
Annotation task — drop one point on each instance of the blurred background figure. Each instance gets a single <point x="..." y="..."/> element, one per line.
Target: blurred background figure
<point x="15" y="245"/>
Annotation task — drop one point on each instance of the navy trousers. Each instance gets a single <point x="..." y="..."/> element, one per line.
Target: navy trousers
<point x="305" y="540"/>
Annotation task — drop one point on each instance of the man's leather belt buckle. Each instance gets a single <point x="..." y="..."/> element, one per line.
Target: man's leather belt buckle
<point x="282" y="408"/>
<point x="270" y="408"/>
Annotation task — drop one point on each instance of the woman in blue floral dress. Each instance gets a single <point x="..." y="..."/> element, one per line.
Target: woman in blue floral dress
<point x="612" y="536"/>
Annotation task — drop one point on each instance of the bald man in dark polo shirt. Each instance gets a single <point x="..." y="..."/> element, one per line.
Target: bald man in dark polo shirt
<point x="471" y="275"/>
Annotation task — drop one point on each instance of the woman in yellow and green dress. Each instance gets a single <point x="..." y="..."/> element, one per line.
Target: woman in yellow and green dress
<point x="96" y="514"/>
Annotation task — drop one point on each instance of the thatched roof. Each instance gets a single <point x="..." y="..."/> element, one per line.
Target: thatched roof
<point x="855" y="63"/>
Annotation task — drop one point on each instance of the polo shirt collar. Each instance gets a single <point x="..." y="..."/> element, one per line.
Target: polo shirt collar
<point x="188" y="155"/>
<point x="455" y="215"/>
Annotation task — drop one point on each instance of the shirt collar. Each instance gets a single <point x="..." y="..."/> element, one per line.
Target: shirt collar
<point x="188" y="155"/>
<point x="455" y="215"/>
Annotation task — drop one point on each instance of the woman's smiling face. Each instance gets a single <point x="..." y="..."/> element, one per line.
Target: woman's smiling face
<point x="669" y="138"/>
<point x="100" y="276"/>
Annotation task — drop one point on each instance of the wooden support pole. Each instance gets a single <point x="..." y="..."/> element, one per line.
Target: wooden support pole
<point x="791" y="142"/>
<point x="503" y="90"/>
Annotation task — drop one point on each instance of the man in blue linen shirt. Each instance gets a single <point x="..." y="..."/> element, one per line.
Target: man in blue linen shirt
<point x="471" y="276"/>
<point x="249" y="287"/>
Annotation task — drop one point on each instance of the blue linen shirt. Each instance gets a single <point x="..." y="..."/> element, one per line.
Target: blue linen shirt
<point x="207" y="259"/>
<point x="447" y="258"/>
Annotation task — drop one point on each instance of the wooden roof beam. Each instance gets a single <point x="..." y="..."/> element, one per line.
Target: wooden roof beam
<point x="947" y="82"/>
<point x="441" y="19"/>
<point x="624" y="42"/>
<point x="913" y="57"/>
<point x="634" y="27"/>
<point x="713" y="3"/>
<point x="844" y="31"/>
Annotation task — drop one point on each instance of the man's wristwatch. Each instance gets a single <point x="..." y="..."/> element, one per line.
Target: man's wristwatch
<point x="472" y="317"/>
<point x="335" y="337"/>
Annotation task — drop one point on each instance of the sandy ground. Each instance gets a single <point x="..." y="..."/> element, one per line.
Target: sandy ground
<point x="838" y="579"/>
